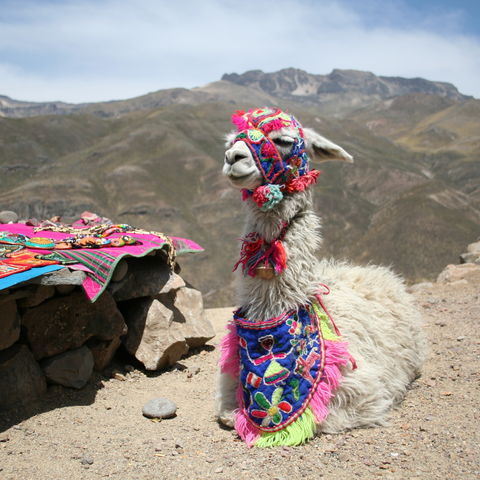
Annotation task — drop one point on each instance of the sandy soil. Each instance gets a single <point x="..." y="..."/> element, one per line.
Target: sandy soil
<point x="100" y="432"/>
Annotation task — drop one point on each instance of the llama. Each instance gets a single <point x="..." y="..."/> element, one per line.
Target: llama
<point x="316" y="346"/>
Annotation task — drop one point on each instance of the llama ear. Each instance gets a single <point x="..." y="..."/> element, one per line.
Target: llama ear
<point x="229" y="138"/>
<point x="321" y="149"/>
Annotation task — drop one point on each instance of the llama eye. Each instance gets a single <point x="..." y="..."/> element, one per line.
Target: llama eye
<point x="283" y="141"/>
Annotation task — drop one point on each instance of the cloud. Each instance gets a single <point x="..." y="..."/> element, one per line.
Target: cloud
<point x="88" y="50"/>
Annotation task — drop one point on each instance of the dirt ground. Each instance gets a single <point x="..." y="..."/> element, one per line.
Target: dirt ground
<point x="99" y="432"/>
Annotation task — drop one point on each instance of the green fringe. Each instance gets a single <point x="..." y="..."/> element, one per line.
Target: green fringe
<point x="297" y="433"/>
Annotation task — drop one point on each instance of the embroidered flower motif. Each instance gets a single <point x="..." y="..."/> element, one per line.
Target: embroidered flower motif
<point x="272" y="411"/>
<point x="295" y="326"/>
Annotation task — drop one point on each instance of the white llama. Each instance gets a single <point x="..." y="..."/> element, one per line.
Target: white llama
<point x="267" y="159"/>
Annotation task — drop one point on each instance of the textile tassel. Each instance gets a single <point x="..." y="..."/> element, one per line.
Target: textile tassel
<point x="301" y="183"/>
<point x="297" y="433"/>
<point x="336" y="356"/>
<point x="279" y="256"/>
<point x="276" y="124"/>
<point x="246" y="431"/>
<point x="250" y="254"/>
<point x="240" y="121"/>
<point x="229" y="359"/>
<point x="267" y="196"/>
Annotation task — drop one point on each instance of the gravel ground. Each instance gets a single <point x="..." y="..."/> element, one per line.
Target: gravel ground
<point x="99" y="432"/>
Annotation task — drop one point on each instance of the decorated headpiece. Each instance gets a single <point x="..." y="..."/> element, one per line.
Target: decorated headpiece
<point x="281" y="175"/>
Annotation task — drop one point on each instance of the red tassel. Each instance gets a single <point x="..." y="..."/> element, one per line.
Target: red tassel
<point x="300" y="184"/>
<point x="279" y="256"/>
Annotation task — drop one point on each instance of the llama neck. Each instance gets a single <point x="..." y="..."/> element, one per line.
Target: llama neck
<point x="262" y="299"/>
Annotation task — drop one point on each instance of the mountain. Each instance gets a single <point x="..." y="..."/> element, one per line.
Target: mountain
<point x="411" y="199"/>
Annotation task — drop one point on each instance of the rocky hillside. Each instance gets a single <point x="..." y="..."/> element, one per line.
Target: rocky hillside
<point x="410" y="200"/>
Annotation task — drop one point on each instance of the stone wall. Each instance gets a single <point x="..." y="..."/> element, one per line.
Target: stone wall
<point x="51" y="333"/>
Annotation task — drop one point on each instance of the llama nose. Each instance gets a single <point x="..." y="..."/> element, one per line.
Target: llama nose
<point x="234" y="156"/>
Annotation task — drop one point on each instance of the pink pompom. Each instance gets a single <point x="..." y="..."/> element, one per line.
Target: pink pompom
<point x="239" y="120"/>
<point x="276" y="124"/>
<point x="260" y="195"/>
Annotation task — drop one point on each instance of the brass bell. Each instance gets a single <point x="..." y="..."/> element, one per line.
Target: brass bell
<point x="265" y="272"/>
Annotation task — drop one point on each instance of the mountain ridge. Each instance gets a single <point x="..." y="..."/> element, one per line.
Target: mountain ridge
<point x="155" y="162"/>
<point x="288" y="83"/>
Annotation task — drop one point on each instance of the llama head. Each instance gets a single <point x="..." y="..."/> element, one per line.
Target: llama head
<point x="268" y="155"/>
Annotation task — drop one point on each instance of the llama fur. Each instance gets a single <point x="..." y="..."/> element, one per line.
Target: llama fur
<point x="370" y="305"/>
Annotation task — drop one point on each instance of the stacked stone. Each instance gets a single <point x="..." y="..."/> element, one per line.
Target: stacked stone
<point x="51" y="333"/>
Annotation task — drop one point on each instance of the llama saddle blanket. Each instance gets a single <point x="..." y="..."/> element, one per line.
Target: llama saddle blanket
<point x="289" y="367"/>
<point x="27" y="252"/>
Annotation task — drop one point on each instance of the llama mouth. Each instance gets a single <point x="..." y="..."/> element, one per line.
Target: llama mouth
<point x="249" y="180"/>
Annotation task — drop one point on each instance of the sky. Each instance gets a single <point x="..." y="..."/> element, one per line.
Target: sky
<point x="95" y="50"/>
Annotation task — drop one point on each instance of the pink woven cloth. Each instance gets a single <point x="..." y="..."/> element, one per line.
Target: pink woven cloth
<point x="100" y="263"/>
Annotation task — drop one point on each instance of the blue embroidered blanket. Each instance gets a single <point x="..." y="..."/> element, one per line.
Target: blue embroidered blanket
<point x="282" y="361"/>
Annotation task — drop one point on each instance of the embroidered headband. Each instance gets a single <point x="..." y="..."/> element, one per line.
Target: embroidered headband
<point x="281" y="175"/>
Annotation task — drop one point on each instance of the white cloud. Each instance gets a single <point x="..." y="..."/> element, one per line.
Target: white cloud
<point x="98" y="50"/>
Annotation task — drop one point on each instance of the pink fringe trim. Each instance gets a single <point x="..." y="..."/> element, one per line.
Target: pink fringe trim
<point x="336" y="356"/>
<point x="246" y="431"/>
<point x="229" y="356"/>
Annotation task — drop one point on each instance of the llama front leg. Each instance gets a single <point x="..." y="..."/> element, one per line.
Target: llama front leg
<point x="227" y="380"/>
<point x="225" y="399"/>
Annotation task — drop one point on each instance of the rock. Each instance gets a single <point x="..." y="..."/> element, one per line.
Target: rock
<point x="9" y="324"/>
<point x="159" y="408"/>
<point x="465" y="271"/>
<point x="189" y="316"/>
<point x="21" y="378"/>
<point x="146" y="277"/>
<point x="6" y="216"/>
<point x="64" y="289"/>
<point x="87" y="460"/>
<point x="417" y="287"/>
<point x="65" y="323"/>
<point x="150" y="337"/>
<point x="103" y="351"/>
<point x="470" y="257"/>
<point x="70" y="369"/>
<point x="120" y="271"/>
<point x="38" y="296"/>
<point x="62" y="277"/>
<point x="119" y="376"/>
<point x="174" y="283"/>
<point x="474" y="248"/>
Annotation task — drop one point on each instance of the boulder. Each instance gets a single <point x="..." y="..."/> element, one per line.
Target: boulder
<point x="151" y="338"/>
<point x="189" y="316"/>
<point x="103" y="351"/>
<point x="146" y="277"/>
<point x="465" y="271"/>
<point x="70" y="369"/>
<point x="38" y="296"/>
<point x="62" y="277"/>
<point x="65" y="323"/>
<point x="9" y="324"/>
<point x="474" y="248"/>
<point x="120" y="271"/>
<point x="21" y="378"/>
<point x="470" y="257"/>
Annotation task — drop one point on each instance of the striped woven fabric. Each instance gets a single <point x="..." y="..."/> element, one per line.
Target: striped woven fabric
<point x="100" y="263"/>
